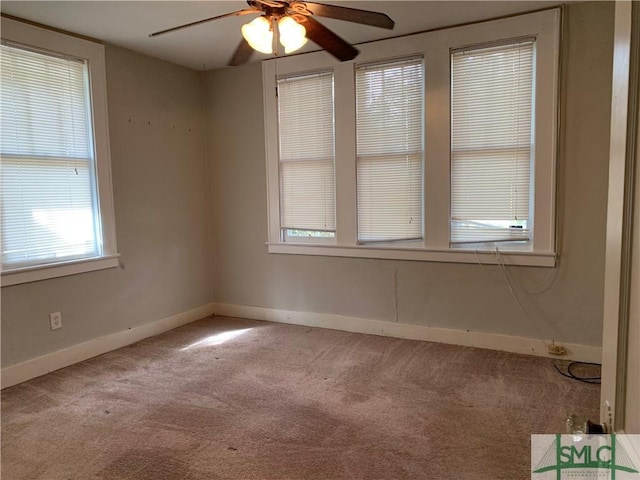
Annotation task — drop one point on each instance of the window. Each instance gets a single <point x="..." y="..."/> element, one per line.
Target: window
<point x="444" y="145"/>
<point x="389" y="110"/>
<point x="47" y="192"/>
<point x="307" y="193"/>
<point x="56" y="216"/>
<point x="491" y="143"/>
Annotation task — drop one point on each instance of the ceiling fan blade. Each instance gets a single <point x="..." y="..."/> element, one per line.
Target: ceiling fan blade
<point x="354" y="15"/>
<point x="241" y="55"/>
<point x="328" y="40"/>
<point x="232" y="14"/>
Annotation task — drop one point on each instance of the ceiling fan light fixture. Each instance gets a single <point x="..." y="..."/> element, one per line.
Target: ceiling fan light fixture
<point x="288" y="22"/>
<point x="259" y="35"/>
<point x="292" y="34"/>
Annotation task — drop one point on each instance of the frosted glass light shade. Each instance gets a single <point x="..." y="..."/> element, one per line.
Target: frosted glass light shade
<point x="259" y="35"/>
<point x="292" y="34"/>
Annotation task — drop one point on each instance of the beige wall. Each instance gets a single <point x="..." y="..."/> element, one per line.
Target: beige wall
<point x="460" y="296"/>
<point x="156" y="122"/>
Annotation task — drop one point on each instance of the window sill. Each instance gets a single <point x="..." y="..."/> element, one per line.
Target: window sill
<point x="484" y="257"/>
<point x="54" y="270"/>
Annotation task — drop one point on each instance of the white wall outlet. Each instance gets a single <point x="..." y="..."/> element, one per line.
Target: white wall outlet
<point x="55" y="319"/>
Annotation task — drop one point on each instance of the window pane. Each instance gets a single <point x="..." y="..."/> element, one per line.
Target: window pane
<point x="306" y="129"/>
<point x="47" y="160"/>
<point x="491" y="143"/>
<point x="44" y="107"/>
<point x="390" y="116"/>
<point x="46" y="210"/>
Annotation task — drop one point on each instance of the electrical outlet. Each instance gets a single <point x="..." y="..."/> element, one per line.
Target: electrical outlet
<point x="555" y="349"/>
<point x="55" y="319"/>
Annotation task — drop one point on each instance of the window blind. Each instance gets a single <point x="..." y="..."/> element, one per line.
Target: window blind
<point x="389" y="124"/>
<point x="47" y="178"/>
<point x="491" y="143"/>
<point x="306" y="130"/>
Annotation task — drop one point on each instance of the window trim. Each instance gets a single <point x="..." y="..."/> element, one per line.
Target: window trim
<point x="435" y="47"/>
<point x="48" y="40"/>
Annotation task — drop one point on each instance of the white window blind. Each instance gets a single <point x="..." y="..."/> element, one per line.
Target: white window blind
<point x="389" y="123"/>
<point x="306" y="130"/>
<point x="47" y="169"/>
<point x="491" y="143"/>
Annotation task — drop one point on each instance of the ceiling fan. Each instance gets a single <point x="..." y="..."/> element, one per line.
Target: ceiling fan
<point x="290" y="23"/>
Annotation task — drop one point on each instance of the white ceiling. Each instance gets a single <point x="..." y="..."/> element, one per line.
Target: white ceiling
<point x="208" y="46"/>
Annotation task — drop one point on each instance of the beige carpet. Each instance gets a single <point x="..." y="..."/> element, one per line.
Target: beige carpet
<point x="272" y="401"/>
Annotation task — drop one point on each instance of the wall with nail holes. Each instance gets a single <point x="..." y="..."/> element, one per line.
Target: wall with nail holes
<point x="157" y="133"/>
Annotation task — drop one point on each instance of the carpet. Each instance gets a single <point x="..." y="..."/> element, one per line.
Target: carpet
<point x="226" y="398"/>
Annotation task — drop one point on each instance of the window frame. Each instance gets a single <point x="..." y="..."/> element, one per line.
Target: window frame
<point x="435" y="47"/>
<point x="59" y="43"/>
<point x="284" y="230"/>
<point x="361" y="160"/>
<point x="507" y="237"/>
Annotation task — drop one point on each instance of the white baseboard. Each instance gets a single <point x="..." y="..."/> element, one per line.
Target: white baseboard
<point x="492" y="341"/>
<point x="36" y="367"/>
